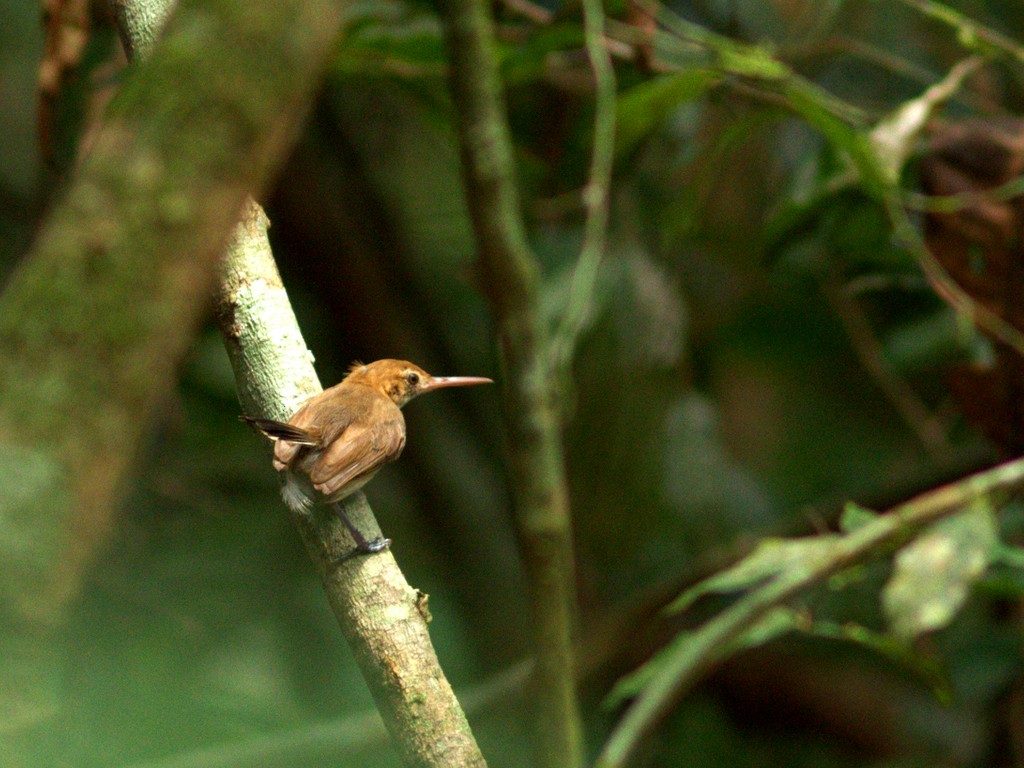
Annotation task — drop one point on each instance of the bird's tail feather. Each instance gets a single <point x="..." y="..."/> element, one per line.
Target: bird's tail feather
<point x="279" y="430"/>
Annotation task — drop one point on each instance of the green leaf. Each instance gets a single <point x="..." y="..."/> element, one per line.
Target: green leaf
<point x="817" y="108"/>
<point x="1002" y="583"/>
<point x="855" y="516"/>
<point x="642" y="108"/>
<point x="776" y="623"/>
<point x="752" y="61"/>
<point x="773" y="624"/>
<point x="529" y="62"/>
<point x="408" y="48"/>
<point x="925" y="342"/>
<point x="1009" y="555"/>
<point x="770" y="558"/>
<point x="632" y="684"/>
<point x="894" y="136"/>
<point x="933" y="573"/>
<point x="1006" y="578"/>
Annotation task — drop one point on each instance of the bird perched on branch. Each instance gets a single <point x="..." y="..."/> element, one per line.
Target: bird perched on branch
<point x="339" y="439"/>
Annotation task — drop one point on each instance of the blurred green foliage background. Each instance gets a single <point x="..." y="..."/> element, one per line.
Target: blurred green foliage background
<point x="717" y="397"/>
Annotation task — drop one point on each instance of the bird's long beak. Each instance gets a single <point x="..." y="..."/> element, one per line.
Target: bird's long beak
<point x="436" y="382"/>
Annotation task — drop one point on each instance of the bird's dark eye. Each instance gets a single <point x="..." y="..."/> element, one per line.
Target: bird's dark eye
<point x="413" y="378"/>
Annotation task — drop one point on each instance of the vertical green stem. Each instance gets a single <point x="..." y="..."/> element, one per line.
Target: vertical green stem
<point x="596" y="194"/>
<point x="510" y="278"/>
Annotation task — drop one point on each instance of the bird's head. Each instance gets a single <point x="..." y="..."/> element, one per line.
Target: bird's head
<point x="401" y="380"/>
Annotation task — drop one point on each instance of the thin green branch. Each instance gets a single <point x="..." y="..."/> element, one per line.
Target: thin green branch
<point x="944" y="284"/>
<point x="969" y="32"/>
<point x="751" y="63"/>
<point x="895" y="135"/>
<point x="510" y="277"/>
<point x="893" y="63"/>
<point x="596" y="195"/>
<point x="879" y="164"/>
<point x="958" y="201"/>
<point x="693" y="655"/>
<point x="931" y="431"/>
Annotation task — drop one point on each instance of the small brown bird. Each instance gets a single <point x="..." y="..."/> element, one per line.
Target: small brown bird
<point x="339" y="439"/>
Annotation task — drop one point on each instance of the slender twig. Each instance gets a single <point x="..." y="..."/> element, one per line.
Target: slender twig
<point x="274" y="373"/>
<point x="747" y="61"/>
<point x="957" y="201"/>
<point x="530" y="11"/>
<point x="882" y="160"/>
<point x="875" y="175"/>
<point x="694" y="655"/>
<point x="880" y="165"/>
<point x="969" y="31"/>
<point x="596" y="195"/>
<point x="943" y="283"/>
<point x="930" y="430"/>
<point x="510" y="276"/>
<point x="867" y="52"/>
<point x="880" y="282"/>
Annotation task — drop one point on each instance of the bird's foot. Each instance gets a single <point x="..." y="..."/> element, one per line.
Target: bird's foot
<point x="364" y="547"/>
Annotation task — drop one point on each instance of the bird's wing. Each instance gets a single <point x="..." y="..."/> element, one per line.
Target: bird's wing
<point x="362" y="448"/>
<point x="319" y="420"/>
